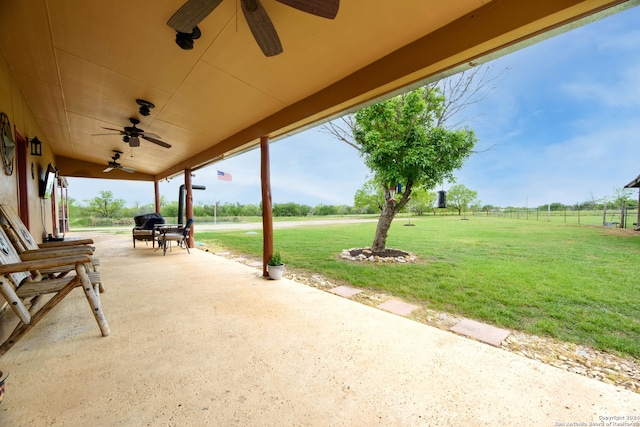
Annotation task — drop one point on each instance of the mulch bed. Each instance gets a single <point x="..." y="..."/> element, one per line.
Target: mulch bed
<point x="387" y="253"/>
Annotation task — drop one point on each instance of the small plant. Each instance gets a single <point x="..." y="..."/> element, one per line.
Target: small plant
<point x="275" y="267"/>
<point x="276" y="259"/>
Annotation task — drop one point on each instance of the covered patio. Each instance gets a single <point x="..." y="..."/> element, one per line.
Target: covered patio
<point x="197" y="339"/>
<point x="202" y="340"/>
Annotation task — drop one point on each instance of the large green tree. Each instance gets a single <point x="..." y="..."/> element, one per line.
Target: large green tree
<point x="369" y="198"/>
<point x="404" y="140"/>
<point x="461" y="198"/>
<point x="415" y="139"/>
<point x="421" y="200"/>
<point x="105" y="205"/>
<point x="622" y="196"/>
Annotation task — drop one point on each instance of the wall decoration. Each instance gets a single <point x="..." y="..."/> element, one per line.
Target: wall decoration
<point x="8" y="145"/>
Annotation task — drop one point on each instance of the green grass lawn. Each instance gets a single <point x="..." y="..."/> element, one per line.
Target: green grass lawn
<point x="575" y="283"/>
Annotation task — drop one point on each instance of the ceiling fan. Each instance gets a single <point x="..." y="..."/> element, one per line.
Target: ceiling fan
<point x="115" y="165"/>
<point x="191" y="13"/>
<point x="132" y="134"/>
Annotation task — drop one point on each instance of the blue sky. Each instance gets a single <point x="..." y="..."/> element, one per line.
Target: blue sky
<point x="563" y="123"/>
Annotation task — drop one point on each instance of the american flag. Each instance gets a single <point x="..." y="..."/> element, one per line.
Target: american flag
<point x="223" y="176"/>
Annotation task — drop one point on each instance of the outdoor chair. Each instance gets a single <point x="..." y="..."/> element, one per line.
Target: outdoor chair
<point x="20" y="290"/>
<point x="25" y="244"/>
<point x="145" y="228"/>
<point x="178" y="234"/>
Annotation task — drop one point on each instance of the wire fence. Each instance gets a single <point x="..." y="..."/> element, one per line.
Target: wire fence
<point x="626" y="217"/>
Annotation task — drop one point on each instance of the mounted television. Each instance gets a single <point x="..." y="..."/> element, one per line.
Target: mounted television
<point x="46" y="185"/>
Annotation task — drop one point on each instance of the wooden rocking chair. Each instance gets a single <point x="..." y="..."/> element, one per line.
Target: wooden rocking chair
<point x="26" y="246"/>
<point x="19" y="289"/>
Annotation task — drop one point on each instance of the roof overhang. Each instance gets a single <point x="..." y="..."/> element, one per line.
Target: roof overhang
<point x="634" y="184"/>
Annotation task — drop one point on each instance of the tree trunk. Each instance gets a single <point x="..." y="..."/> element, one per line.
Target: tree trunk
<point x="384" y="223"/>
<point x="389" y="210"/>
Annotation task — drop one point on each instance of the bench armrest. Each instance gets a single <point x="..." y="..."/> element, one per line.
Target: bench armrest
<point x="43" y="263"/>
<point x="66" y="243"/>
<point x="35" y="254"/>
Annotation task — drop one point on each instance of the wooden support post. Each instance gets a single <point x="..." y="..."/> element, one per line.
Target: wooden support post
<point x="267" y="217"/>
<point x="188" y="204"/>
<point x="156" y="190"/>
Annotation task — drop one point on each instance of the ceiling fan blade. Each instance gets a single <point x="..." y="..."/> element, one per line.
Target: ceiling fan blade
<point x="115" y="130"/>
<point x="156" y="141"/>
<point x="134" y="141"/>
<point x="261" y="27"/>
<point x="191" y="14"/>
<point x="126" y="169"/>
<point x="109" y="169"/>
<point x="323" y="8"/>
<point x="149" y="134"/>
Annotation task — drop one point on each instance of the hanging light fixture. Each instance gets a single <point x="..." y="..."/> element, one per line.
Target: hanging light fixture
<point x="185" y="40"/>
<point x="442" y="199"/>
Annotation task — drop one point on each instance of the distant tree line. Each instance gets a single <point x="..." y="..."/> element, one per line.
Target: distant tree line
<point x="105" y="206"/>
<point x="106" y="209"/>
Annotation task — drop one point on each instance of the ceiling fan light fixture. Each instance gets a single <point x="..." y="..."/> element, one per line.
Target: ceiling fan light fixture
<point x="113" y="164"/>
<point x="185" y="40"/>
<point x="131" y="134"/>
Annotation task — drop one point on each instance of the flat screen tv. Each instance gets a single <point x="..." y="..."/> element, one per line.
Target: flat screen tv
<point x="46" y="185"/>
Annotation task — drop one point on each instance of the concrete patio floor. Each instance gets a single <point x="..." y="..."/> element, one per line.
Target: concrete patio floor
<point x="201" y="340"/>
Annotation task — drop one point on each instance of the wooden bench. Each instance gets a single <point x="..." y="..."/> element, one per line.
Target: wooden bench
<point x="22" y="288"/>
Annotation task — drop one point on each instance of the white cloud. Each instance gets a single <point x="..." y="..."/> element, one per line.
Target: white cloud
<point x="621" y="90"/>
<point x="568" y="171"/>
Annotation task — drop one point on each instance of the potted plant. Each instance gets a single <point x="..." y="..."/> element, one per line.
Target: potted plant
<point x="275" y="267"/>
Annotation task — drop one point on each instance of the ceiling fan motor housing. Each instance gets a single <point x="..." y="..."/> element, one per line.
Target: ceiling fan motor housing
<point x="132" y="134"/>
<point x="185" y="40"/>
<point x="145" y="106"/>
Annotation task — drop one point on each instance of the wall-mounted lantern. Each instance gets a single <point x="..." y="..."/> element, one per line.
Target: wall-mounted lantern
<point x="36" y="146"/>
